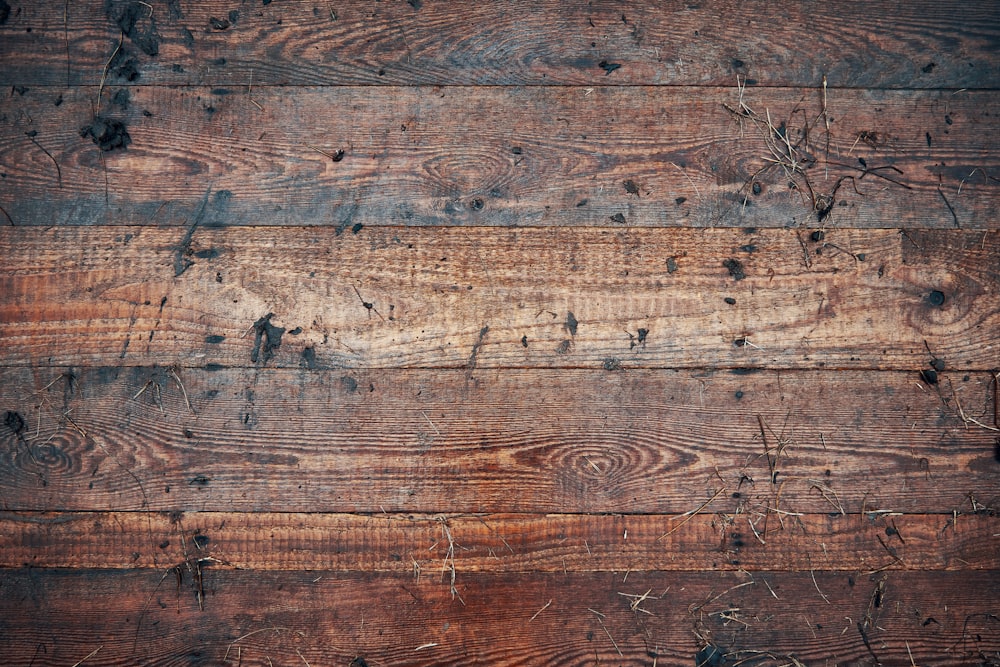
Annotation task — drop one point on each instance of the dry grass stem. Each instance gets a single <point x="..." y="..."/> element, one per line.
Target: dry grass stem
<point x="691" y="514"/>
<point x="821" y="594"/>
<point x="90" y="655"/>
<point x="540" y="611"/>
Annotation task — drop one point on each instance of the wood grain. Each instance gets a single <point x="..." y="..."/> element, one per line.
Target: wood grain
<point x="505" y="543"/>
<point x="920" y="44"/>
<point x="526" y="441"/>
<point x="550" y="156"/>
<point x="57" y="617"/>
<point x="487" y="298"/>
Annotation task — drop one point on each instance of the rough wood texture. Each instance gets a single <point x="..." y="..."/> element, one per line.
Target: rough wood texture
<point x="479" y="298"/>
<point x="507" y="156"/>
<point x="717" y="537"/>
<point x="922" y="44"/>
<point x="496" y="441"/>
<point x="329" y="618"/>
<point x="382" y="333"/>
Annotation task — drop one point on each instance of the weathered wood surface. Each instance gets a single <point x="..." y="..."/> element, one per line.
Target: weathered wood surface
<point x="484" y="298"/>
<point x="502" y="156"/>
<point x="511" y="440"/>
<point x="53" y="617"/>
<point x="718" y="538"/>
<point x="920" y="44"/>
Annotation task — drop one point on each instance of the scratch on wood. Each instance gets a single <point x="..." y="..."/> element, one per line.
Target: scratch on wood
<point x="473" y="358"/>
<point x="181" y="262"/>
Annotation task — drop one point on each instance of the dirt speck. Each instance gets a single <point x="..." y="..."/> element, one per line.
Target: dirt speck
<point x="571" y="324"/>
<point x="107" y="133"/>
<point x="267" y="339"/>
<point x="735" y="268"/>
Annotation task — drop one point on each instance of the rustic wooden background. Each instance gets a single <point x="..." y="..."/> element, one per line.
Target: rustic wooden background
<point x="422" y="333"/>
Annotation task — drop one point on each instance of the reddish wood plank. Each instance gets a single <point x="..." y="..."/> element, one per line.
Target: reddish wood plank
<point x="511" y="440"/>
<point x="505" y="543"/>
<point x="912" y="45"/>
<point x="57" y="617"/>
<point x="480" y="298"/>
<point x="547" y="156"/>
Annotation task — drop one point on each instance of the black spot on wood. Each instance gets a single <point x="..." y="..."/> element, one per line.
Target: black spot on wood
<point x="199" y="480"/>
<point x="219" y="24"/>
<point x="936" y="298"/>
<point x="929" y="376"/>
<point x="710" y="656"/>
<point x="928" y="68"/>
<point x="631" y="187"/>
<point x="642" y="335"/>
<point x="4" y="12"/>
<point x="619" y="218"/>
<point x="107" y="133"/>
<point x="564" y="347"/>
<point x="124" y="66"/>
<point x="309" y="358"/>
<point x="121" y="98"/>
<point x="735" y="268"/>
<point x="571" y="324"/>
<point x="612" y="364"/>
<point x="137" y="22"/>
<point x="201" y="541"/>
<point x="671" y="265"/>
<point x="14" y="421"/>
<point x="680" y="200"/>
<point x="730" y="300"/>
<point x="349" y="384"/>
<point x="524" y="341"/>
<point x="214" y="339"/>
<point x="267" y="339"/>
<point x="608" y="67"/>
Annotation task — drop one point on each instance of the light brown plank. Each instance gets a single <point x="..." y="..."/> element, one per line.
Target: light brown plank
<point x="488" y="298"/>
<point x="325" y="618"/>
<point x="912" y="45"/>
<point x="506" y="543"/>
<point x="503" y="157"/>
<point x="532" y="441"/>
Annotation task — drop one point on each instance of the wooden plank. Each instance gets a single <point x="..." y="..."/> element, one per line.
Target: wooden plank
<point x="536" y="441"/>
<point x="913" y="45"/>
<point x="504" y="543"/>
<point x="488" y="298"/>
<point x="58" y="617"/>
<point x="550" y="156"/>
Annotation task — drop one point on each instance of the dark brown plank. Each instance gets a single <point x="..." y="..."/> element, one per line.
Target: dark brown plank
<point x="511" y="440"/>
<point x="505" y="543"/>
<point x="911" y="45"/>
<point x="486" y="298"/>
<point x="53" y="617"/>
<point x="550" y="156"/>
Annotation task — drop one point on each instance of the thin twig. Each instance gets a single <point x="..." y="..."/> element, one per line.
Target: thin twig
<point x="691" y="514"/>
<point x="813" y="575"/>
<point x="540" y="611"/>
<point x="104" y="75"/>
<point x="92" y="654"/>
